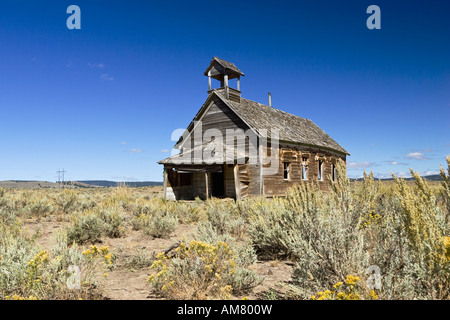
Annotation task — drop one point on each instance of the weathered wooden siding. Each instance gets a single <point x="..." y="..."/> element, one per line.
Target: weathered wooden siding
<point x="220" y="117"/>
<point x="254" y="177"/>
<point x="275" y="185"/>
<point x="230" y="190"/>
<point x="198" y="185"/>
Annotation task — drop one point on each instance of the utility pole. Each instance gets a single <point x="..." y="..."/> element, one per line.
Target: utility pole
<point x="59" y="177"/>
<point x="61" y="174"/>
<point x="63" y="177"/>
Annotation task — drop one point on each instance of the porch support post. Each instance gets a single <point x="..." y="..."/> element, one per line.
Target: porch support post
<point x="165" y="184"/>
<point x="207" y="184"/>
<point x="261" y="168"/>
<point x="236" y="182"/>
<point x="209" y="80"/>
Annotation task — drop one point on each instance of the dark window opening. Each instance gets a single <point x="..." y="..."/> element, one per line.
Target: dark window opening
<point x="286" y="170"/>
<point x="321" y="170"/>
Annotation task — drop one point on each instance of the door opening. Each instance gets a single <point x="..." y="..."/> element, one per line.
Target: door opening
<point x="217" y="184"/>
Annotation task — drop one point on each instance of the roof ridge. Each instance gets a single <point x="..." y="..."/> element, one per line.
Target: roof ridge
<point x="273" y="108"/>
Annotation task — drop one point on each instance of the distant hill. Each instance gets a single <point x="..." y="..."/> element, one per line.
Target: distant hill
<point x="29" y="184"/>
<point x="434" y="177"/>
<point x="108" y="184"/>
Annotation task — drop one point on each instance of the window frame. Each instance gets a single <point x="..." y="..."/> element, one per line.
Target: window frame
<point x="304" y="169"/>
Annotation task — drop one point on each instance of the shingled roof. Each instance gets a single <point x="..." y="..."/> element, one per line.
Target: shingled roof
<point x="291" y="128"/>
<point x="225" y="64"/>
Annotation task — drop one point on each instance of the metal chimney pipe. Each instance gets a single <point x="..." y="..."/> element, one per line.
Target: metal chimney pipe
<point x="270" y="99"/>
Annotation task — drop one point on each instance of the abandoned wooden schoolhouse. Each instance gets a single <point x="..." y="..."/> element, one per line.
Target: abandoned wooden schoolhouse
<point x="278" y="151"/>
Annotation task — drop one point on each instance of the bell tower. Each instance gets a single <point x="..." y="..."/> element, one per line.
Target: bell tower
<point x="224" y="71"/>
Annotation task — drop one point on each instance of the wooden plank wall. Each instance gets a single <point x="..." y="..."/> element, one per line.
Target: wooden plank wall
<point x="230" y="190"/>
<point x="254" y="177"/>
<point x="275" y="185"/>
<point x="220" y="117"/>
<point x="199" y="185"/>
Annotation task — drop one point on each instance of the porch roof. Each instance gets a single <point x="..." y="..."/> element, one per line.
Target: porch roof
<point x="206" y="154"/>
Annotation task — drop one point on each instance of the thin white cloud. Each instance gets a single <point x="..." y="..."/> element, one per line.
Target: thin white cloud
<point x="106" y="77"/>
<point x="403" y="174"/>
<point x="396" y="163"/>
<point x="120" y="178"/>
<point x="123" y="142"/>
<point x="165" y="150"/>
<point x="135" y="151"/>
<point x="96" y="65"/>
<point x="360" y="165"/>
<point x="428" y="173"/>
<point x="382" y="175"/>
<point x="416" y="156"/>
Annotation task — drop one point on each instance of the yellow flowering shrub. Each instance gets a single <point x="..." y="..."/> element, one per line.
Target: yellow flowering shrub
<point x="17" y="297"/>
<point x="422" y="220"/>
<point x="369" y="219"/>
<point x="446" y="241"/>
<point x="351" y="289"/>
<point x="197" y="271"/>
<point x="28" y="272"/>
<point x="94" y="253"/>
<point x="33" y="267"/>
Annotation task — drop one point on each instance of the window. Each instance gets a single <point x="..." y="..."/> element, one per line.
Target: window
<point x="333" y="171"/>
<point x="286" y="170"/>
<point x="321" y="170"/>
<point x="304" y="168"/>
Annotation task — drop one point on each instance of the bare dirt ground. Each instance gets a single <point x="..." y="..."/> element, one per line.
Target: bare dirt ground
<point x="125" y="282"/>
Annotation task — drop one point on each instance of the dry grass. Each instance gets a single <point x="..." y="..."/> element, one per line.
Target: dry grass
<point x="254" y="246"/>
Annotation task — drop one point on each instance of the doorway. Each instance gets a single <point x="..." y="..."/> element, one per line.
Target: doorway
<point x="217" y="184"/>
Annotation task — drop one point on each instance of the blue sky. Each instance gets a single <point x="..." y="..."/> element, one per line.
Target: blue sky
<point x="102" y="101"/>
